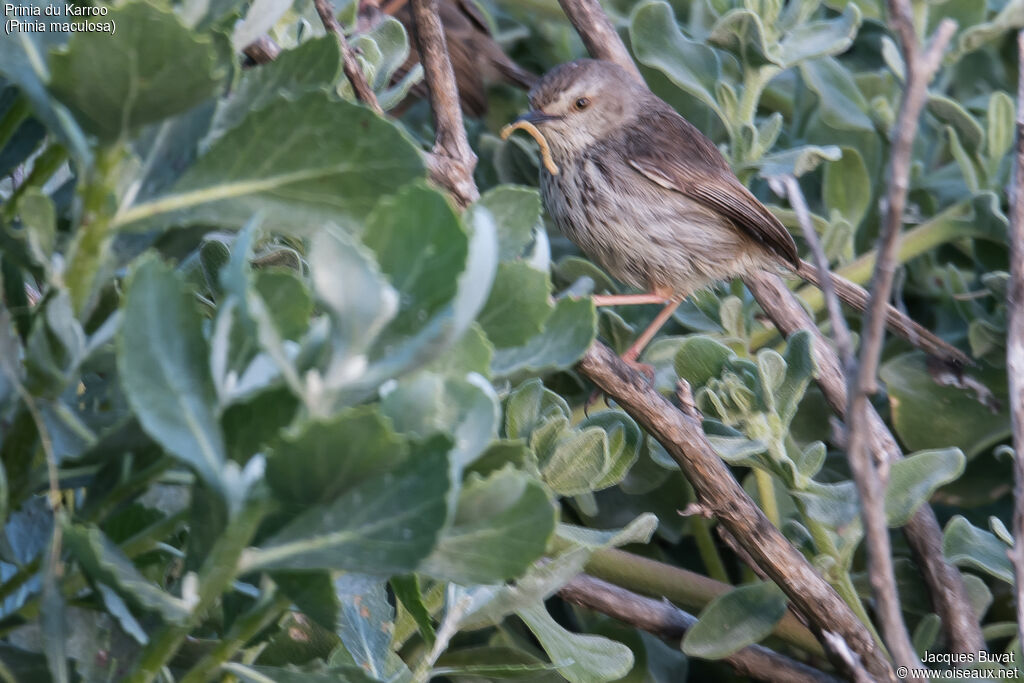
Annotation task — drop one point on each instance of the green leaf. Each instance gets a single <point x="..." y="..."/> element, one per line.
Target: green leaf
<point x="152" y="67"/>
<point x="800" y="368"/>
<point x="580" y="658"/>
<point x="105" y="563"/>
<point x="576" y="462"/>
<point x="491" y="662"/>
<point x="312" y="65"/>
<point x="274" y="674"/>
<point x="23" y="61"/>
<point x="518" y="304"/>
<point x="742" y="32"/>
<point x="567" y="334"/>
<point x="163" y="365"/>
<point x="912" y="481"/>
<point x="797" y="161"/>
<point x="847" y="187"/>
<point x="502" y="525"/>
<point x="365" y="622"/>
<point x="288" y="300"/>
<point x="658" y="43"/>
<point x="360" y="303"/>
<point x="530" y="406"/>
<point x="732" y="621"/>
<point x="1000" y="120"/>
<point x="39" y="217"/>
<point x="407" y="591"/>
<point x="623" y="438"/>
<point x="701" y="358"/>
<point x="1009" y="18"/>
<point x="516" y="212"/>
<point x="834" y="505"/>
<point x="326" y="458"/>
<point x="422" y="248"/>
<point x="465" y="408"/>
<point x="736" y="450"/>
<point x="260" y="18"/>
<point x="966" y="545"/>
<point x="298" y="183"/>
<point x="313" y="594"/>
<point x="840" y="102"/>
<point x="929" y="415"/>
<point x="387" y="525"/>
<point x="818" y="38"/>
<point x="964" y="160"/>
<point x="952" y="113"/>
<point x="472" y="352"/>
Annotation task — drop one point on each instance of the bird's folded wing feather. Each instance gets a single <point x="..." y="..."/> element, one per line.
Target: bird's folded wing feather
<point x="707" y="178"/>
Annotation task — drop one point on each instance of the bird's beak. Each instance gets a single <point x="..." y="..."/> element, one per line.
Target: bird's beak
<point x="534" y="116"/>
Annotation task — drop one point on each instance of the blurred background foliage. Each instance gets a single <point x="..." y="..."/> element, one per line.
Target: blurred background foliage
<point x="270" y="406"/>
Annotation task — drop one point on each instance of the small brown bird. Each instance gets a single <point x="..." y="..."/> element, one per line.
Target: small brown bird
<point x="641" y="191"/>
<point x="476" y="58"/>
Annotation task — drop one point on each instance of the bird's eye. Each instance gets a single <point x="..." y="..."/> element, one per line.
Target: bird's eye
<point x="582" y="103"/>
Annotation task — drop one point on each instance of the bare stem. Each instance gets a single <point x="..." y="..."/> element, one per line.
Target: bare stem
<point x="920" y="69"/>
<point x="668" y="621"/>
<point x="1015" y="342"/>
<point x="364" y="93"/>
<point x="840" y="330"/>
<point x="598" y="34"/>
<point x="452" y="161"/>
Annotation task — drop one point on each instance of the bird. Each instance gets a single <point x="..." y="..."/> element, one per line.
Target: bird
<point x="476" y="57"/>
<point x="641" y="191"/>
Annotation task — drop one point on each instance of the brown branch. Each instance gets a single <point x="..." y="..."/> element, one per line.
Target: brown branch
<point x="598" y="34"/>
<point x="452" y="161"/>
<point x="261" y="51"/>
<point x="667" y="621"/>
<point x="1015" y="342"/>
<point x="920" y="68"/>
<point x="946" y="587"/>
<point x="720" y="493"/>
<point x="364" y="93"/>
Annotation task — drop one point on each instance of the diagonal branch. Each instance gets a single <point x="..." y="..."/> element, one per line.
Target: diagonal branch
<point x="717" y="490"/>
<point x="1015" y="342"/>
<point x="598" y="34"/>
<point x="364" y="93"/>
<point x="452" y="161"/>
<point x="665" y="620"/>
<point x="920" y="68"/>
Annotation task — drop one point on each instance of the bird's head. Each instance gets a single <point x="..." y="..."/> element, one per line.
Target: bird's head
<point x="578" y="103"/>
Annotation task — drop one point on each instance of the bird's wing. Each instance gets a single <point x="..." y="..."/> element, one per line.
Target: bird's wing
<point x="704" y="176"/>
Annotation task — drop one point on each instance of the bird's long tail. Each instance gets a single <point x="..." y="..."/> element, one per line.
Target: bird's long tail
<point x="856" y="296"/>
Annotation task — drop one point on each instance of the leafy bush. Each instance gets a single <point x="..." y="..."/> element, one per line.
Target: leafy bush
<point x="271" y="406"/>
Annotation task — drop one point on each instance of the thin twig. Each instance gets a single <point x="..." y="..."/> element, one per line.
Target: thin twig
<point x="718" y="491"/>
<point x="364" y="93"/>
<point x="1015" y="342"/>
<point x="920" y="68"/>
<point x="840" y="330"/>
<point x="667" y="621"/>
<point x="452" y="160"/>
<point x="945" y="584"/>
<point x="598" y="33"/>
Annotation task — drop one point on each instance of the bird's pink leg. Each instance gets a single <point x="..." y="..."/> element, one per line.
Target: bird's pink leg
<point x="633" y="352"/>
<point x="628" y="299"/>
